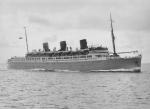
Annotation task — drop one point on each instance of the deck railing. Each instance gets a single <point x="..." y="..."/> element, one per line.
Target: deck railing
<point x="64" y="58"/>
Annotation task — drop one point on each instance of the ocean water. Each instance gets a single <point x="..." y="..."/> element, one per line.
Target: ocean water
<point x="28" y="89"/>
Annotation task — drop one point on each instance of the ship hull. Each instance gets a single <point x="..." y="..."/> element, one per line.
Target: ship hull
<point x="84" y="65"/>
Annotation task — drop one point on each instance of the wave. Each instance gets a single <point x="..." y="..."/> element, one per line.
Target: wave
<point x="59" y="70"/>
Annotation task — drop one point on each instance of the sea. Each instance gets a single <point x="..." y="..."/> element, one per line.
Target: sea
<point x="39" y="89"/>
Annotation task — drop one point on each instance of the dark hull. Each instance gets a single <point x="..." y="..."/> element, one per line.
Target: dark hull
<point x="84" y="65"/>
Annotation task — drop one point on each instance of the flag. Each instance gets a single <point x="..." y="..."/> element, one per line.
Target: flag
<point x="20" y="37"/>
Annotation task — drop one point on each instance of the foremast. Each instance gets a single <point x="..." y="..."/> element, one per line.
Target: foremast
<point x="26" y="40"/>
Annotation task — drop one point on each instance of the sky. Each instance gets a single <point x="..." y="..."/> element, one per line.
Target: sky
<point x="53" y="21"/>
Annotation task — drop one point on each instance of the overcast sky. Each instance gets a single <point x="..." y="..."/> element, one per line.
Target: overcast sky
<point x="72" y="20"/>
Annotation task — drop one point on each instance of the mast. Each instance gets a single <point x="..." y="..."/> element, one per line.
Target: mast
<point x="113" y="37"/>
<point x="26" y="40"/>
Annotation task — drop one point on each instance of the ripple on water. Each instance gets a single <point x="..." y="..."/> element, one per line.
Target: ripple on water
<point x="73" y="90"/>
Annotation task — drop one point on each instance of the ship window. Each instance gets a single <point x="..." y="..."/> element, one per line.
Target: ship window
<point x="82" y="56"/>
<point x="98" y="55"/>
<point x="66" y="57"/>
<point x="58" y="58"/>
<point x="89" y="56"/>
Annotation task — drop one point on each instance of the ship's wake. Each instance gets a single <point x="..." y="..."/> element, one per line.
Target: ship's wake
<point x="42" y="70"/>
<point x="48" y="70"/>
<point x="67" y="70"/>
<point x="119" y="70"/>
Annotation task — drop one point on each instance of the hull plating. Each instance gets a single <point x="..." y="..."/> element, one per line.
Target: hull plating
<point x="120" y="63"/>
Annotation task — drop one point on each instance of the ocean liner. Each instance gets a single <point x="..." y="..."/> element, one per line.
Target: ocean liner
<point x="87" y="58"/>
